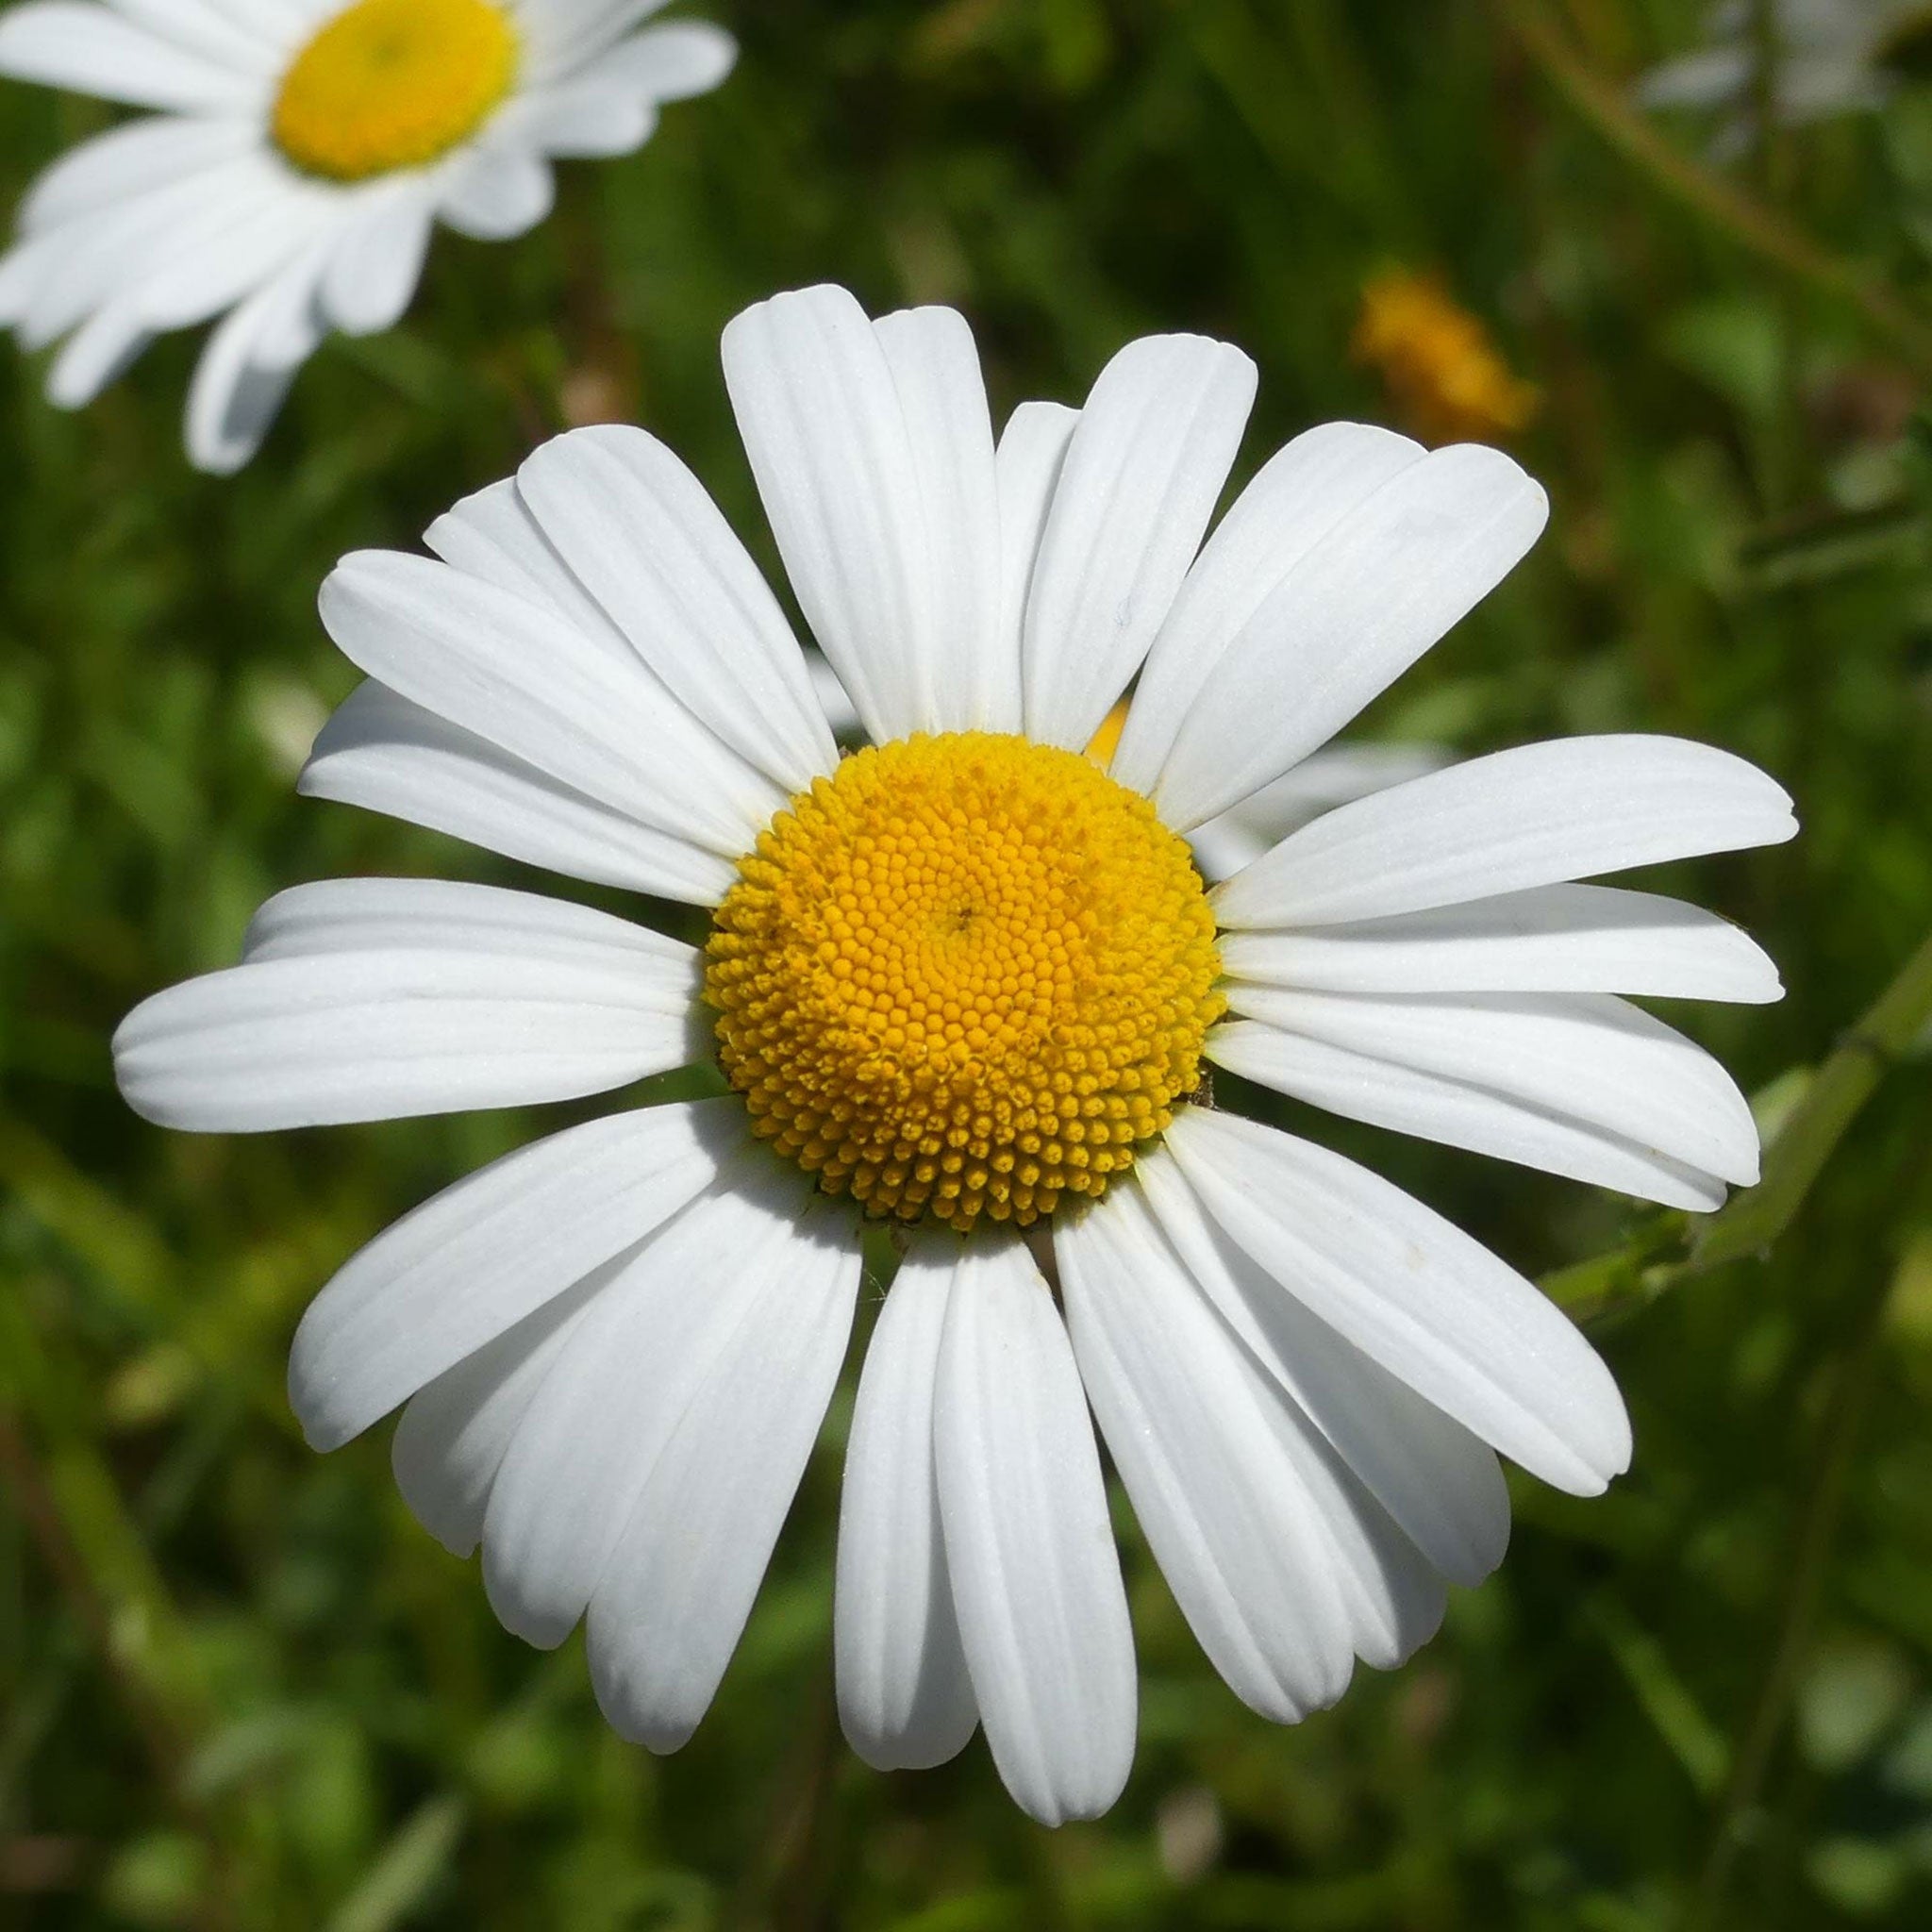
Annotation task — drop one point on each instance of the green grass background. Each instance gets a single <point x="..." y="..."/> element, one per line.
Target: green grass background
<point x="240" y="1687"/>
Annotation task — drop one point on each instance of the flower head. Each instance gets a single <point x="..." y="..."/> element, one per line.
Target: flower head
<point x="966" y="982"/>
<point x="300" y="159"/>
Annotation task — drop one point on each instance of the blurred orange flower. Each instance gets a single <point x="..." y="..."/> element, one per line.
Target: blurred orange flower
<point x="1443" y="373"/>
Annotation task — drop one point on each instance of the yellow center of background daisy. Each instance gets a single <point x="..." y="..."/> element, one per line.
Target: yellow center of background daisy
<point x="393" y="84"/>
<point x="965" y="976"/>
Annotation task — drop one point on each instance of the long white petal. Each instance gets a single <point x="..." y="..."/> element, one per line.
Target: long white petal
<point x="385" y="754"/>
<point x="377" y="262"/>
<point x="531" y="1000"/>
<point x="95" y="51"/>
<point x="491" y="534"/>
<point x="1539" y="815"/>
<point x="1414" y="1293"/>
<point x="672" y="62"/>
<point x="873" y="456"/>
<point x="1035" y="1580"/>
<point x="496" y="190"/>
<point x="616" y="1394"/>
<point x="247" y="364"/>
<point x="975" y="675"/>
<point x="669" y="1610"/>
<point x="1460" y="1113"/>
<point x="454" y="1432"/>
<point x="1336" y="775"/>
<point x="638" y="530"/>
<point x="1587" y="1057"/>
<point x="136" y="157"/>
<point x="1549" y="939"/>
<point x="480" y="1257"/>
<point x="1437" y="1481"/>
<point x="513" y="673"/>
<point x="904" y="1698"/>
<point x="1358" y="608"/>
<point x="1139" y="481"/>
<point x="1027" y="468"/>
<point x="1300" y="494"/>
<point x="1220" y="1503"/>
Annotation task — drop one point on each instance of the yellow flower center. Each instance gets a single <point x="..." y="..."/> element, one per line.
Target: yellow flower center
<point x="391" y="84"/>
<point x="965" y="976"/>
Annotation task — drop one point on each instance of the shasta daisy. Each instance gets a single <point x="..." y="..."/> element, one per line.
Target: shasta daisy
<point x="966" y="981"/>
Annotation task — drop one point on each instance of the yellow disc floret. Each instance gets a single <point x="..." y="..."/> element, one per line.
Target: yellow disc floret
<point x="965" y="976"/>
<point x="391" y="84"/>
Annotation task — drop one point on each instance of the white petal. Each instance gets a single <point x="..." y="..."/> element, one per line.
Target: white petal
<point x="1035" y="1582"/>
<point x="483" y="1255"/>
<point x="1414" y="1293"/>
<point x="1206" y="1419"/>
<point x="1437" y="1481"/>
<point x="1222" y="1504"/>
<point x="491" y="534"/>
<point x="134" y="158"/>
<point x="95" y="354"/>
<point x="588" y="118"/>
<point x="1297" y="497"/>
<point x="672" y="62"/>
<point x="1142" y="473"/>
<point x="974" y="677"/>
<point x="453" y="1433"/>
<point x="377" y="259"/>
<point x="204" y="25"/>
<point x="1535" y="816"/>
<point x="670" y="1609"/>
<point x="1026" y="469"/>
<point x="513" y="673"/>
<point x="638" y="530"/>
<point x="646" y="1345"/>
<point x="1357" y="610"/>
<point x="230" y="251"/>
<point x="563" y="35"/>
<point x="882" y="536"/>
<point x="1460" y="1113"/>
<point x="1336" y="775"/>
<point x="95" y="51"/>
<point x="1549" y="939"/>
<point x="521" y="999"/>
<point x="1590" y="1058"/>
<point x="496" y="190"/>
<point x="384" y="754"/>
<point x="247" y="365"/>
<point x="904" y="1698"/>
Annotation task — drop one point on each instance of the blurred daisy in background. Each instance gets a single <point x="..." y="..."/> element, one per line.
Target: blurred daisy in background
<point x="1444" y="375"/>
<point x="966" y="980"/>
<point x="302" y="154"/>
<point x="1833" y="56"/>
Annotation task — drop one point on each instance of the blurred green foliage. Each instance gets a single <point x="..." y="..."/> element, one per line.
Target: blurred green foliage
<point x="238" y="1688"/>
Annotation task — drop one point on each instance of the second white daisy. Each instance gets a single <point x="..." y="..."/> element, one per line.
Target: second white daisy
<point x="302" y="153"/>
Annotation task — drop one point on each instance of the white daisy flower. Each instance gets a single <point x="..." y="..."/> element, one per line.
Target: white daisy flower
<point x="1834" y="56"/>
<point x="302" y="152"/>
<point x="969" y="980"/>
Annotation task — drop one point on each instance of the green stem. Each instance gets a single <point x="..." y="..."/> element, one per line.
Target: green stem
<point x="1768" y="234"/>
